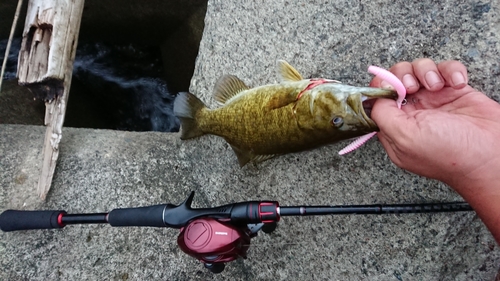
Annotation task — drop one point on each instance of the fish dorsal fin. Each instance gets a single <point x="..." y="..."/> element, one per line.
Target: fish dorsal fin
<point x="287" y="72"/>
<point x="227" y="87"/>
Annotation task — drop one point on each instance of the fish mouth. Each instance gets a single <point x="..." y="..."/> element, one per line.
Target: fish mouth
<point x="365" y="101"/>
<point x="368" y="99"/>
<point x="367" y="106"/>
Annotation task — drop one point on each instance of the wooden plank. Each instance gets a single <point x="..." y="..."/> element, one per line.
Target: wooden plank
<point x="45" y="66"/>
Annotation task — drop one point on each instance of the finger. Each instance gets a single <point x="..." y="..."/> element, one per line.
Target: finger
<point x="428" y="74"/>
<point x="404" y="72"/>
<point x="454" y="73"/>
<point x="375" y="82"/>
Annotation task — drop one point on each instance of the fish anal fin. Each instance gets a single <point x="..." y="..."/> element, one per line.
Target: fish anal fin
<point x="227" y="87"/>
<point x="288" y="72"/>
<point x="262" y="158"/>
<point x="245" y="156"/>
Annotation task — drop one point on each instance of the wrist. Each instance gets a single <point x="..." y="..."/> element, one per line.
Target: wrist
<point x="482" y="192"/>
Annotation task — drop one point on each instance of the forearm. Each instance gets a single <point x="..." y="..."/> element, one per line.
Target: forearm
<point x="484" y="197"/>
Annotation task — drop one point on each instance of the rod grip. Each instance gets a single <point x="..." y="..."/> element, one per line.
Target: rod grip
<point x="12" y="220"/>
<point x="142" y="216"/>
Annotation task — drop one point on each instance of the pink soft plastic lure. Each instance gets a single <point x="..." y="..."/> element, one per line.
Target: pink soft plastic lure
<point x="400" y="89"/>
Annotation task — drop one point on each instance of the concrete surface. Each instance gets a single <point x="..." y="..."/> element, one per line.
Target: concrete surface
<point x="100" y="170"/>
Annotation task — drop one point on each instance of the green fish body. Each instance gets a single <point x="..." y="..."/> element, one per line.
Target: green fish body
<point x="295" y="115"/>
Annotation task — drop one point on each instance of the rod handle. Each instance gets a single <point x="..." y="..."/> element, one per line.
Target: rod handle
<point x="141" y="216"/>
<point x="12" y="220"/>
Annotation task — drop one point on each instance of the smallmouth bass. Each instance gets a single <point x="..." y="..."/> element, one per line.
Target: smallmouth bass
<point x="295" y="115"/>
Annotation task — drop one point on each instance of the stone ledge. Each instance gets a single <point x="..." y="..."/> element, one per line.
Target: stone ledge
<point x="100" y="170"/>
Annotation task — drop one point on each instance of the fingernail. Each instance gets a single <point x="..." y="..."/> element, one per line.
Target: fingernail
<point x="458" y="80"/>
<point x="409" y="81"/>
<point x="385" y="85"/>
<point x="432" y="79"/>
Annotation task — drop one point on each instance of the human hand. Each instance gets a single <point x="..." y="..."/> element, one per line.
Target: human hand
<point x="446" y="131"/>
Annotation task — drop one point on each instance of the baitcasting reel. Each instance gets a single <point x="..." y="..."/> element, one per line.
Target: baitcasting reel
<point x="215" y="235"/>
<point x="215" y="243"/>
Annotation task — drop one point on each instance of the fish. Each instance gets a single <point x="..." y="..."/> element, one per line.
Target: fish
<point x="293" y="115"/>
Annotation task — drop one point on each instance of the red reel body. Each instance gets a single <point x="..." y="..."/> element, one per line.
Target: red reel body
<point x="212" y="241"/>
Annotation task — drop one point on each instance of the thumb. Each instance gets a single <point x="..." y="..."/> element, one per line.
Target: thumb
<point x="393" y="125"/>
<point x="388" y="117"/>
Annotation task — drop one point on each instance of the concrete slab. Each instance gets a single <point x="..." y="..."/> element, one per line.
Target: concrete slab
<point x="100" y="170"/>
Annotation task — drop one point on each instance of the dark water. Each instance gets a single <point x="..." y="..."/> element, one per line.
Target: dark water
<point x="10" y="70"/>
<point x="115" y="87"/>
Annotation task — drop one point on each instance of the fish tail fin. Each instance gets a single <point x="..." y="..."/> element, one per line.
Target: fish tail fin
<point x="186" y="107"/>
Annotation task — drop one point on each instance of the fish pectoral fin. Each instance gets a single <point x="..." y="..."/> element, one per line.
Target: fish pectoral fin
<point x="278" y="101"/>
<point x="288" y="72"/>
<point x="227" y="87"/>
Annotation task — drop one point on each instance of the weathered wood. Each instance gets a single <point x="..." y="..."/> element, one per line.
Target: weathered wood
<point x="45" y="66"/>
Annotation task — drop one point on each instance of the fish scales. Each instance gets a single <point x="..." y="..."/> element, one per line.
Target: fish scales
<point x="249" y="121"/>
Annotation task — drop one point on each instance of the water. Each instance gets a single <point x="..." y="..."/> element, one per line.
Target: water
<point x="114" y="87"/>
<point x="11" y="68"/>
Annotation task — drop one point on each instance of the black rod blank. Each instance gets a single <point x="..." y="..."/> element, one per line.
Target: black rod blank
<point x="374" y="209"/>
<point x="84" y="218"/>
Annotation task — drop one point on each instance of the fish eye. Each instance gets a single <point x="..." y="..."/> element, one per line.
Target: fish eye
<point x="337" y="121"/>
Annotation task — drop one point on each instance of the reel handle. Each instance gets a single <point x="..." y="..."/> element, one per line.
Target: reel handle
<point x="11" y="220"/>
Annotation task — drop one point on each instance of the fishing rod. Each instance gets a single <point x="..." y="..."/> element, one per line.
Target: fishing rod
<point x="214" y="235"/>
